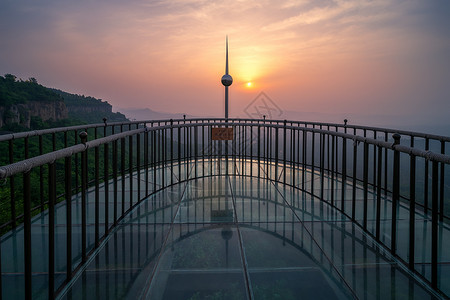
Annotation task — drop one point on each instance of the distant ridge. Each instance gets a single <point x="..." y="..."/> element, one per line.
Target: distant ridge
<point x="142" y="114"/>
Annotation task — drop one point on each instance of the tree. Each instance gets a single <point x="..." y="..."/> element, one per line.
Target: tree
<point x="10" y="78"/>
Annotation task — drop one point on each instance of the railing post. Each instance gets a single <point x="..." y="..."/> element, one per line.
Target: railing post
<point x="355" y="161"/>
<point x="395" y="193"/>
<point x="344" y="173"/>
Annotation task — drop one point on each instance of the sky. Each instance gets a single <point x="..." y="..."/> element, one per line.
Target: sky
<point x="386" y="60"/>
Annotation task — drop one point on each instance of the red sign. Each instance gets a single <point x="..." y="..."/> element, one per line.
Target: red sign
<point x="222" y="134"/>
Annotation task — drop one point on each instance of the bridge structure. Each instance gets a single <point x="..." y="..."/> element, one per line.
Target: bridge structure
<point x="162" y="210"/>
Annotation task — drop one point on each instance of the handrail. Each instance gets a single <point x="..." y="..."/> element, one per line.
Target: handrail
<point x="28" y="164"/>
<point x="12" y="136"/>
<point x="282" y="146"/>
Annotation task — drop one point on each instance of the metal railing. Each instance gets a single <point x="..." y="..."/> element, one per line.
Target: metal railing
<point x="158" y="154"/>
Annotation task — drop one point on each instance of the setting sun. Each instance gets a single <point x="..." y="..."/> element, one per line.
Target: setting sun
<point x="249" y="84"/>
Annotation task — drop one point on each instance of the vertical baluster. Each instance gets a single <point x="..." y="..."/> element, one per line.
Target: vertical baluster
<point x="106" y="183"/>
<point x="51" y="229"/>
<point x="97" y="195"/>
<point x="138" y="165"/>
<point x="84" y="178"/>
<point x="434" y="224"/>
<point x="77" y="174"/>
<point x="322" y="165"/>
<point x="68" y="194"/>
<point x="146" y="161"/>
<point x="395" y="194"/>
<point x="12" y="186"/>
<point x="379" y="171"/>
<point x="259" y="151"/>
<point x="344" y="172"/>
<point x="171" y="152"/>
<point x="154" y="160"/>
<point x="27" y="233"/>
<point x="412" y="210"/>
<point x="41" y="174"/>
<point x="122" y="173"/>
<point x="385" y="165"/>
<point x="441" y="186"/>
<point x="355" y="156"/>
<point x="276" y="154"/>
<point x="304" y="137"/>
<point x="334" y="168"/>
<point x="284" y="152"/>
<point x="115" y="173"/>
<point x="312" y="160"/>
<point x="130" y="167"/>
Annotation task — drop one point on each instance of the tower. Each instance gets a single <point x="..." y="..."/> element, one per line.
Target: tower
<point x="227" y="80"/>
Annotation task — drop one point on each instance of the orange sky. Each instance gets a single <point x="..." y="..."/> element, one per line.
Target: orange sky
<point x="372" y="57"/>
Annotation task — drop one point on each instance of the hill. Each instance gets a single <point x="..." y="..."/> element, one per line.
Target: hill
<point x="28" y="105"/>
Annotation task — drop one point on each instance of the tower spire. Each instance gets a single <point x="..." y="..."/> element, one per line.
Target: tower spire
<point x="227" y="80"/>
<point x="226" y="64"/>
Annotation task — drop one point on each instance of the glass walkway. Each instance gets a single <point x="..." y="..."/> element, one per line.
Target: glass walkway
<point x="227" y="237"/>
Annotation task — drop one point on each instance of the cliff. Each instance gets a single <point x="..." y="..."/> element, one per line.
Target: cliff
<point x="21" y="113"/>
<point x="29" y="105"/>
<point x="89" y="109"/>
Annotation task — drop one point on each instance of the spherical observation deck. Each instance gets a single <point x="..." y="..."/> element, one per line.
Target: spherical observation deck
<point x="227" y="80"/>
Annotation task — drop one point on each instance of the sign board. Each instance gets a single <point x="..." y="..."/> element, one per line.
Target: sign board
<point x="222" y="134"/>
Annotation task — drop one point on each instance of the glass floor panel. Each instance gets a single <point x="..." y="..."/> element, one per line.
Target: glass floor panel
<point x="224" y="237"/>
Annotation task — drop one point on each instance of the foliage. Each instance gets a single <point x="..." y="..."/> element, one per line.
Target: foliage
<point x="82" y="109"/>
<point x="13" y="91"/>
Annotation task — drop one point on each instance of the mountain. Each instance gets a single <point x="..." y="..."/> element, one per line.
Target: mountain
<point x="26" y="105"/>
<point x="89" y="109"/>
<point x="142" y="114"/>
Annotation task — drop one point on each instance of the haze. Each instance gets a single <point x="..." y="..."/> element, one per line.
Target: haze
<point x="386" y="61"/>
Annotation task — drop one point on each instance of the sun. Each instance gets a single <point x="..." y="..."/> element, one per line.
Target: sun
<point x="249" y="84"/>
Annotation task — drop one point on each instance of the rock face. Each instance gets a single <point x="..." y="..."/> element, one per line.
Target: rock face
<point x="22" y="113"/>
